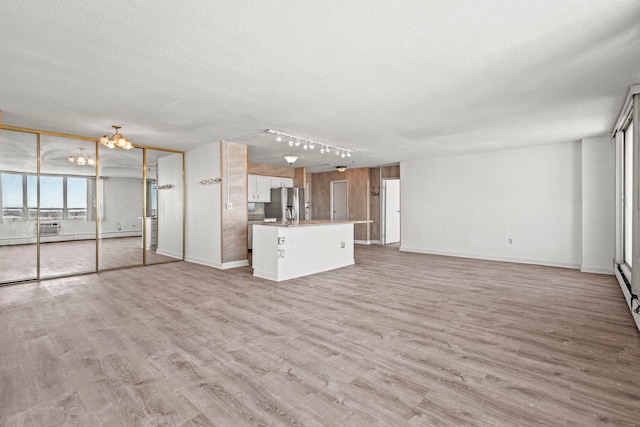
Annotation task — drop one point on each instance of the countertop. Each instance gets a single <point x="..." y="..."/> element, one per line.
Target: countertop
<point x="314" y="222"/>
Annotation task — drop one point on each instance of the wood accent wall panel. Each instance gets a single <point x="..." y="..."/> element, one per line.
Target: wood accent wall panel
<point x="391" y="171"/>
<point x="234" y="190"/>
<point x="376" y="182"/>
<point x="358" y="188"/>
<point x="300" y="177"/>
<point x="270" y="170"/>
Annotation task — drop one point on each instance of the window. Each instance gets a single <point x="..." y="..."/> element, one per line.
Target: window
<point x="627" y="184"/>
<point x="51" y="197"/>
<point x="60" y="197"/>
<point x="12" y="197"/>
<point x="76" y="198"/>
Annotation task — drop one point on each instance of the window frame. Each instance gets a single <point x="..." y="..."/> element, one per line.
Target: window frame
<point x="29" y="213"/>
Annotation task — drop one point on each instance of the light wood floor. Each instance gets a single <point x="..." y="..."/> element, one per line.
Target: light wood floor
<point x="19" y="262"/>
<point x="398" y="339"/>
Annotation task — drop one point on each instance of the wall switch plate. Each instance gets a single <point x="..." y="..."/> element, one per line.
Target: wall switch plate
<point x="229" y="206"/>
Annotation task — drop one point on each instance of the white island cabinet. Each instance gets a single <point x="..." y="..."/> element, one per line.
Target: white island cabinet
<point x="283" y="251"/>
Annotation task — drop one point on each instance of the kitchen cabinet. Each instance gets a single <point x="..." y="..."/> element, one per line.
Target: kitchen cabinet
<point x="259" y="188"/>
<point x="278" y="182"/>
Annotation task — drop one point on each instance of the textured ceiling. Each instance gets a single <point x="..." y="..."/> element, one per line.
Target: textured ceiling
<point x="392" y="80"/>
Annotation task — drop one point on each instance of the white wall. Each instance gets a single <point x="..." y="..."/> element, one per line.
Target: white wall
<point x="471" y="205"/>
<point x="170" y="206"/>
<point x="123" y="207"/>
<point x="598" y="205"/>
<point x="203" y="206"/>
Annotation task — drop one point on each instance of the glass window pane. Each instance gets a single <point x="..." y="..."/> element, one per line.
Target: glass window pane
<point x="77" y="198"/>
<point x="77" y="192"/>
<point x="51" y="197"/>
<point x="11" y="196"/>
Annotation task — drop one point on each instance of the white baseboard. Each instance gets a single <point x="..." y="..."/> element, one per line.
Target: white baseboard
<point x="598" y="270"/>
<point x="203" y="261"/>
<point x="218" y="265"/>
<point x="234" y="264"/>
<point x="169" y="253"/>
<point x="493" y="258"/>
<point x="366" y="242"/>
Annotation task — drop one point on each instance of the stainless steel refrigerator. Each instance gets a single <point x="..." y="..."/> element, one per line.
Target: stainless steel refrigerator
<point x="286" y="203"/>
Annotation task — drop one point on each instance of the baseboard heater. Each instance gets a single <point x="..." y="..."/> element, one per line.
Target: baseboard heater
<point x="49" y="228"/>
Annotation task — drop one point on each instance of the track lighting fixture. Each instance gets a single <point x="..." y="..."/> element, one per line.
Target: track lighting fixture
<point x="308" y="144"/>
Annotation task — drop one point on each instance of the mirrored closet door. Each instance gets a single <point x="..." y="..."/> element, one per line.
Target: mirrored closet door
<point x="18" y="204"/>
<point x="67" y="217"/>
<point x="120" y="208"/>
<point x="71" y="206"/>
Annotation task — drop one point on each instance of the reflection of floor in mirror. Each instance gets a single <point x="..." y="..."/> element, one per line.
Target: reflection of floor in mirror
<point x="77" y="256"/>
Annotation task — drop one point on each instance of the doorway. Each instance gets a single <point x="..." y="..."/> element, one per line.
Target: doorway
<point x="390" y="211"/>
<point x="339" y="200"/>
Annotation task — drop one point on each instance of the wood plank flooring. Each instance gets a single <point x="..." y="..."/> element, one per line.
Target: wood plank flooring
<point x="398" y="339"/>
<point x="19" y="262"/>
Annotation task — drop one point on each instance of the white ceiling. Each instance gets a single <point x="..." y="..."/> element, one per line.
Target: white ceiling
<point x="392" y="80"/>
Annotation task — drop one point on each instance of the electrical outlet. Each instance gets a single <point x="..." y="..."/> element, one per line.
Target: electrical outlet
<point x="229" y="206"/>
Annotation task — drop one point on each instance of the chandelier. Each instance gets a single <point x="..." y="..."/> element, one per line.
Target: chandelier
<point x="115" y="140"/>
<point x="81" y="158"/>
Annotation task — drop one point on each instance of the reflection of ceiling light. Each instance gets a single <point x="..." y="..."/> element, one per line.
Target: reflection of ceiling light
<point x="115" y="140"/>
<point x="81" y="158"/>
<point x="341" y="168"/>
<point x="290" y="158"/>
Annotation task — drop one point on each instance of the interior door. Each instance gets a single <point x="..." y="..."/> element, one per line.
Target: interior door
<point x="391" y="211"/>
<point x="339" y="200"/>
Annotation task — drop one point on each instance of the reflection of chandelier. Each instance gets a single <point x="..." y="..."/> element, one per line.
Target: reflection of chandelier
<point x="81" y="159"/>
<point x="115" y="140"/>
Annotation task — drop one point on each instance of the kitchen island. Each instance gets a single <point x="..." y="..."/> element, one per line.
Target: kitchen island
<point x="289" y="249"/>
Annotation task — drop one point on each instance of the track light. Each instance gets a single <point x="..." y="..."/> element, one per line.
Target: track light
<point x="308" y="144"/>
